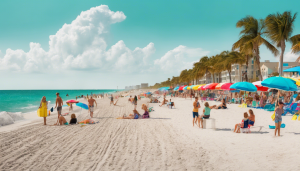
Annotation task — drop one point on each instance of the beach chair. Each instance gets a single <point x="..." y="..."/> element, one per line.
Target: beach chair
<point x="213" y="123"/>
<point x="269" y="107"/>
<point x="291" y="109"/>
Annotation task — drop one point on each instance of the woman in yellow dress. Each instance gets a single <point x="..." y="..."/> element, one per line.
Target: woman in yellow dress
<point x="42" y="111"/>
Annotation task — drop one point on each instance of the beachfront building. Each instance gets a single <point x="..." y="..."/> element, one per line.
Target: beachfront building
<point x="270" y="68"/>
<point x="144" y="85"/>
<point x="238" y="74"/>
<point x="137" y="87"/>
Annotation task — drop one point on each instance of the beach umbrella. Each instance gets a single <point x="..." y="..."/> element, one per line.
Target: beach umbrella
<point x="257" y="83"/>
<point x="211" y="86"/>
<point x="72" y="101"/>
<point x="82" y="105"/>
<point x="262" y="88"/>
<point x="181" y="88"/>
<point x="218" y="87"/>
<point x="294" y="79"/>
<point x="190" y="87"/>
<point x="202" y="87"/>
<point x="280" y="83"/>
<point x="244" y="86"/>
<point x="185" y="88"/>
<point x="295" y="69"/>
<point x="197" y="86"/>
<point x="226" y="86"/>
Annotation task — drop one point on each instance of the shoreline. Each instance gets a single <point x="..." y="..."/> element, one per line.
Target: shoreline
<point x="29" y="117"/>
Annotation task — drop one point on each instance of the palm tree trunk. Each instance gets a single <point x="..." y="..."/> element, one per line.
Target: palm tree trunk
<point x="206" y="75"/>
<point x="281" y="57"/>
<point x="213" y="77"/>
<point x="229" y="72"/>
<point x="257" y="60"/>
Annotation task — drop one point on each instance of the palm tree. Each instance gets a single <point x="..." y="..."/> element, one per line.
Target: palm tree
<point x="204" y="64"/>
<point x="245" y="48"/>
<point x="184" y="76"/>
<point x="279" y="30"/>
<point x="295" y="43"/>
<point x="237" y="58"/>
<point x="253" y="32"/>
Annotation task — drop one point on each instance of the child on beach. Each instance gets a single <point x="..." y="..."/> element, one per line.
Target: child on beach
<point x="196" y="105"/>
<point x="278" y="119"/>
<point x="243" y="124"/>
<point x="73" y="119"/>
<point x="206" y="114"/>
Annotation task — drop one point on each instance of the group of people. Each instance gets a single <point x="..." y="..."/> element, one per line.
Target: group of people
<point x="206" y="112"/>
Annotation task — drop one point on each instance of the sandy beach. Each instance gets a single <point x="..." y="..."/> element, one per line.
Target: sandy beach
<point x="166" y="141"/>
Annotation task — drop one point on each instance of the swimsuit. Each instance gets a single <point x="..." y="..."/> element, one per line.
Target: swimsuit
<point x="59" y="108"/>
<point x="195" y="114"/>
<point x="92" y="108"/>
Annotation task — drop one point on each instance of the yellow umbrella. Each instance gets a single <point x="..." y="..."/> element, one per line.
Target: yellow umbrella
<point x="296" y="80"/>
<point x="197" y="86"/>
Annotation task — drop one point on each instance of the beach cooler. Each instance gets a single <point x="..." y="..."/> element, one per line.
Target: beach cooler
<point x="212" y="122"/>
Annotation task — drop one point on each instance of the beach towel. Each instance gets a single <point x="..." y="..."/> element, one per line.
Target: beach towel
<point x="87" y="121"/>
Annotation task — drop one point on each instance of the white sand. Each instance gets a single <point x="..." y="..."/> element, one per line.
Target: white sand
<point x="166" y="141"/>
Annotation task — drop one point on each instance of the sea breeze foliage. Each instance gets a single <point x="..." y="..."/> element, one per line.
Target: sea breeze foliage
<point x="273" y="31"/>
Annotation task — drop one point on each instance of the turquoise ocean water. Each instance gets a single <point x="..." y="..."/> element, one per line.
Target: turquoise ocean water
<point x="29" y="100"/>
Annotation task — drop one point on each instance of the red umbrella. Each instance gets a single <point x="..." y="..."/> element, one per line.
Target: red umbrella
<point x="262" y="88"/>
<point x="72" y="101"/>
<point x="181" y="88"/>
<point x="226" y="86"/>
<point x="211" y="86"/>
<point x="201" y="87"/>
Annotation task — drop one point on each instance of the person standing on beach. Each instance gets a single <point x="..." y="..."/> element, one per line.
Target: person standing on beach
<point x="278" y="119"/>
<point x="58" y="104"/>
<point x="91" y="105"/>
<point x="111" y="99"/>
<point x="196" y="105"/>
<point x="135" y="102"/>
<point x="42" y="111"/>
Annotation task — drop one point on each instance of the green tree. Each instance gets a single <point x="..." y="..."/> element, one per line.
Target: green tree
<point x="295" y="40"/>
<point x="279" y="30"/>
<point x="252" y="32"/>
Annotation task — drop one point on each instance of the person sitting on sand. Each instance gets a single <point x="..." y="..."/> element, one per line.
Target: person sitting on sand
<point x="221" y="106"/>
<point x="206" y="114"/>
<point x="73" y="119"/>
<point x="135" y="115"/>
<point x="251" y="117"/>
<point x="129" y="99"/>
<point x="243" y="124"/>
<point x="146" y="113"/>
<point x="61" y="121"/>
<point x="171" y="104"/>
<point x="163" y="102"/>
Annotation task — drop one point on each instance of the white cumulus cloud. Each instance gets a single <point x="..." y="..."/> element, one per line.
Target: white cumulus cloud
<point x="82" y="45"/>
<point x="179" y="58"/>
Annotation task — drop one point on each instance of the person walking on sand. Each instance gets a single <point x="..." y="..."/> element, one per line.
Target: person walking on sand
<point x="91" y="105"/>
<point x="135" y="102"/>
<point x="58" y="104"/>
<point x="278" y="119"/>
<point x="42" y="111"/>
<point x="196" y="106"/>
<point x="111" y="99"/>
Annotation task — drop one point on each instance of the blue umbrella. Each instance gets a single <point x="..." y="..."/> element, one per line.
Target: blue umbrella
<point x="82" y="105"/>
<point x="295" y="69"/>
<point x="148" y="93"/>
<point x="280" y="83"/>
<point x="244" y="86"/>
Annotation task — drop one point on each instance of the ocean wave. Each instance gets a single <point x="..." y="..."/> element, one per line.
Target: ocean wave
<point x="30" y="107"/>
<point x="7" y="118"/>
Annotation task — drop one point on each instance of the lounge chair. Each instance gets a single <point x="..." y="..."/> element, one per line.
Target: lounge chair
<point x="291" y="109"/>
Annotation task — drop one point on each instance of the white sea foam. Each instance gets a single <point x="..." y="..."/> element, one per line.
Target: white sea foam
<point x="7" y="118"/>
<point x="30" y="107"/>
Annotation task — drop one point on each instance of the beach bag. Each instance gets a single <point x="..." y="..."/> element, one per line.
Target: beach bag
<point x="273" y="116"/>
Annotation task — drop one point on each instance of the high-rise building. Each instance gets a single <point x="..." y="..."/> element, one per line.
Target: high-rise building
<point x="144" y="85"/>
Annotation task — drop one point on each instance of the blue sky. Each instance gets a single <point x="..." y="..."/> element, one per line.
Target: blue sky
<point x="188" y="28"/>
